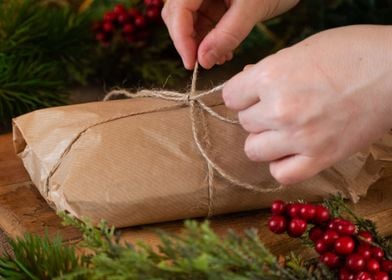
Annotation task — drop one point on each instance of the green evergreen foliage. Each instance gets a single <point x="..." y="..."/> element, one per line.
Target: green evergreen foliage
<point x="44" y="48"/>
<point x="196" y="253"/>
<point x="39" y="259"/>
<point x="310" y="17"/>
<point x="41" y="49"/>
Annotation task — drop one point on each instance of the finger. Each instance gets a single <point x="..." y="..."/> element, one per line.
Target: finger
<point x="241" y="91"/>
<point x="233" y="27"/>
<point x="179" y="18"/>
<point x="295" y="169"/>
<point x="254" y="119"/>
<point x="268" y="146"/>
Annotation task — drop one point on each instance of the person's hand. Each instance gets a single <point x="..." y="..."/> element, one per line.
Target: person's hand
<point x="316" y="103"/>
<point x="209" y="30"/>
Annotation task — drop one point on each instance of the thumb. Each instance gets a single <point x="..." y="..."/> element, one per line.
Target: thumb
<point x="232" y="28"/>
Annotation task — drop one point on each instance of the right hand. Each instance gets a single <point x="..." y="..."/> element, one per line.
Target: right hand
<point x="209" y="30"/>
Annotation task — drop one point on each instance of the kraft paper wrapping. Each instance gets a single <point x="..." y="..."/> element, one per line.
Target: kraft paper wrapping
<point x="135" y="162"/>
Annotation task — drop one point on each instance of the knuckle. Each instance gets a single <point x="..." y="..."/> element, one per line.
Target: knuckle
<point x="282" y="111"/>
<point x="244" y="121"/>
<point x="269" y="74"/>
<point x="226" y="97"/>
<point x="167" y="10"/>
<point x="164" y="13"/>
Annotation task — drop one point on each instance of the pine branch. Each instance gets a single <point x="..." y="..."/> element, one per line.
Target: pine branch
<point x="196" y="253"/>
<point x="41" y="50"/>
<point x="38" y="258"/>
<point x="27" y="85"/>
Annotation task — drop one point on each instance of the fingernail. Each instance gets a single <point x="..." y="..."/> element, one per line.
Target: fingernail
<point x="210" y="59"/>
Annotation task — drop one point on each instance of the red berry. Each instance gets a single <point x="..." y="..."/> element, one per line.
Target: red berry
<point x="333" y="224"/>
<point x="278" y="207"/>
<point x="119" y="8"/>
<point x="346" y="228"/>
<point x="153" y="13"/>
<point x="386" y="265"/>
<point x="355" y="262"/>
<point x="321" y="247"/>
<point x="110" y="17"/>
<point x="315" y="233"/>
<point x="108" y="27"/>
<point x="307" y="212"/>
<point x="322" y="214"/>
<point x="134" y="12"/>
<point x="100" y="36"/>
<point x="373" y="266"/>
<point x="153" y="2"/>
<point x="277" y="224"/>
<point x="344" y="245"/>
<point x="330" y="236"/>
<point x="364" y="251"/>
<point x="296" y="227"/>
<point x="366" y="237"/>
<point x="363" y="276"/>
<point x="103" y="38"/>
<point x="330" y="259"/>
<point x="377" y="252"/>
<point x="128" y="28"/>
<point x="293" y="209"/>
<point x="344" y="274"/>
<point x="381" y="275"/>
<point x="123" y="17"/>
<point x="140" y="21"/>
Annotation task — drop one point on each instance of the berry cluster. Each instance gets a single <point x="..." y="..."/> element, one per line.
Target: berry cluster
<point x="132" y="25"/>
<point x="338" y="242"/>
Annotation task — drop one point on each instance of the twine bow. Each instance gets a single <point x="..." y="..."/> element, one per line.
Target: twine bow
<point x="194" y="101"/>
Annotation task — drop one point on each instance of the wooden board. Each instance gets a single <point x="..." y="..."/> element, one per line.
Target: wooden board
<point x="22" y="209"/>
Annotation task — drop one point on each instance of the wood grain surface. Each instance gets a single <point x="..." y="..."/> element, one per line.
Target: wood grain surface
<point x="22" y="209"/>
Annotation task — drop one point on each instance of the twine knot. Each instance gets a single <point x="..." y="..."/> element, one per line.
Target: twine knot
<point x="194" y="100"/>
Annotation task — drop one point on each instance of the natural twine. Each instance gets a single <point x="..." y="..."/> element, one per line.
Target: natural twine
<point x="197" y="109"/>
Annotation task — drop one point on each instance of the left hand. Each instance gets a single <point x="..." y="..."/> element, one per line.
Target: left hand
<point x="317" y="102"/>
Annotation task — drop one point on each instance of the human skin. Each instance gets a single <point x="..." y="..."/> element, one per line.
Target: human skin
<point x="209" y="30"/>
<point x="315" y="103"/>
<point x="305" y="107"/>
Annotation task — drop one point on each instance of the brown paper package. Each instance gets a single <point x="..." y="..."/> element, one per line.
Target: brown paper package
<point x="135" y="161"/>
